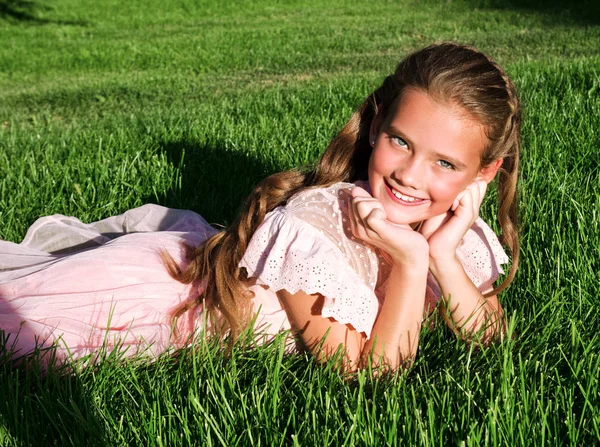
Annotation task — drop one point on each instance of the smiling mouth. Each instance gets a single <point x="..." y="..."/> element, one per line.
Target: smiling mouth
<point x="403" y="198"/>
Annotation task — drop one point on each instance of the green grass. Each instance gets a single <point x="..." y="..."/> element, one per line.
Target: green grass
<point x="108" y="105"/>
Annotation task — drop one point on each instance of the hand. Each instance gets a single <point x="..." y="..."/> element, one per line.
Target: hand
<point x="369" y="223"/>
<point x="444" y="232"/>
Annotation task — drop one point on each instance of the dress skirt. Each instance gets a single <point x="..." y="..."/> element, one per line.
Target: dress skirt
<point x="80" y="287"/>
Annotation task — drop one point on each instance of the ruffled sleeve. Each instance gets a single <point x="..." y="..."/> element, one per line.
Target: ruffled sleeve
<point x="305" y="246"/>
<point x="482" y="255"/>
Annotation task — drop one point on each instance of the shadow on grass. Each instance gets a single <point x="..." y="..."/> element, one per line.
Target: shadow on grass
<point x="27" y="11"/>
<point x="46" y="408"/>
<point x="582" y="11"/>
<point x="40" y="408"/>
<point x="214" y="180"/>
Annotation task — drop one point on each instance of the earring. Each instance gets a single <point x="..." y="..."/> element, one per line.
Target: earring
<point x="373" y="142"/>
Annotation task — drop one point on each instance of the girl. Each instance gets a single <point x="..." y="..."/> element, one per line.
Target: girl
<point x="351" y="254"/>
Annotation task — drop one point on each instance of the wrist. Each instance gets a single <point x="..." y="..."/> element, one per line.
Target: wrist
<point x="411" y="268"/>
<point x="415" y="259"/>
<point x="447" y="263"/>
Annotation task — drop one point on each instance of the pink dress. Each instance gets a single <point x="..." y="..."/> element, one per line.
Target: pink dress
<point x="81" y="286"/>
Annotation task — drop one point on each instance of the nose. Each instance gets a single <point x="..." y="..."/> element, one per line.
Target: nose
<point x="410" y="173"/>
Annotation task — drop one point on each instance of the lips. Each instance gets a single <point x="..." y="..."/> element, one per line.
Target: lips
<point x="404" y="199"/>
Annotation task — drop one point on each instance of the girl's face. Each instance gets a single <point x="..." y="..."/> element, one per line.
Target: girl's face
<point x="425" y="154"/>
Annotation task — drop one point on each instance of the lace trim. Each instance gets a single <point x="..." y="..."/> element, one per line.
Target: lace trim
<point x="307" y="246"/>
<point x="288" y="253"/>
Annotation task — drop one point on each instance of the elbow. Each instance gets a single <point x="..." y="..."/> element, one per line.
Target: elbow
<point x="484" y="333"/>
<point x="344" y="355"/>
<point x="485" y="326"/>
<point x="382" y="359"/>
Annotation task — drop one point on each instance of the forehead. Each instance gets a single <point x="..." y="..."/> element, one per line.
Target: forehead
<point x="431" y="124"/>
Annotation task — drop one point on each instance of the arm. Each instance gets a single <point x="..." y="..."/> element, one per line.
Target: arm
<point x="469" y="311"/>
<point x="395" y="336"/>
<point x="304" y="314"/>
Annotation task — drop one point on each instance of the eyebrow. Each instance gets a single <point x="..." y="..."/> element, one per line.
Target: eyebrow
<point x="457" y="163"/>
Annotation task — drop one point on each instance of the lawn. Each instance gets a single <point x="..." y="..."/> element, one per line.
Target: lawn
<point x="108" y="105"/>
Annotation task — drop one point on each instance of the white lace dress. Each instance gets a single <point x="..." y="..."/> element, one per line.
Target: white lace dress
<point x="80" y="286"/>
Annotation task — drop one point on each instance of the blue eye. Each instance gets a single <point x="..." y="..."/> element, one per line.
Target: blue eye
<point x="445" y="164"/>
<point x="400" y="142"/>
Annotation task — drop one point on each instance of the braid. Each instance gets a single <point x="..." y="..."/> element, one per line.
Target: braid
<point x="216" y="260"/>
<point x="508" y="181"/>
<point x="446" y="71"/>
<point x="464" y="76"/>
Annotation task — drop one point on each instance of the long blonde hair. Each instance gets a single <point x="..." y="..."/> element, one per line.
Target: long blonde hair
<point x="448" y="72"/>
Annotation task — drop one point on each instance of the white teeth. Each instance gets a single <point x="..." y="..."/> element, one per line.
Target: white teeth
<point x="403" y="197"/>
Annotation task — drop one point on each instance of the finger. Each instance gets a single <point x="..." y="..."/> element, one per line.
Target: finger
<point x="371" y="221"/>
<point x="363" y="207"/>
<point x="483" y="185"/>
<point x="360" y="192"/>
<point x="364" y="204"/>
<point x="466" y="201"/>
<point x="379" y="229"/>
<point x="374" y="222"/>
<point x="478" y="189"/>
<point x="360" y="207"/>
<point x="383" y="233"/>
<point x="431" y="225"/>
<point x="474" y="190"/>
<point x="457" y="200"/>
<point x="352" y="218"/>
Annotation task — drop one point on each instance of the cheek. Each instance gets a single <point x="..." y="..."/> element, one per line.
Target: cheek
<point x="446" y="190"/>
<point x="371" y="165"/>
<point x="377" y="164"/>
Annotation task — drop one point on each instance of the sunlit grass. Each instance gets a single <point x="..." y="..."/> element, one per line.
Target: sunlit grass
<point x="110" y="105"/>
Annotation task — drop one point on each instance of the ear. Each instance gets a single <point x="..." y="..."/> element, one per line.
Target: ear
<point x="375" y="126"/>
<point x="487" y="173"/>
